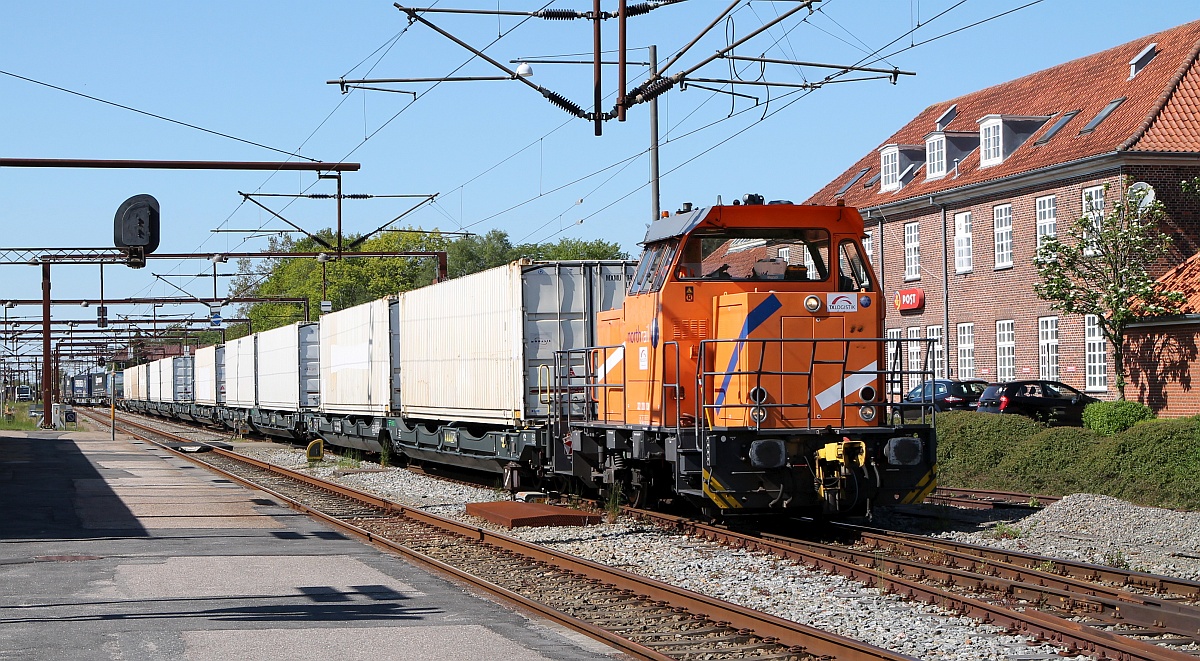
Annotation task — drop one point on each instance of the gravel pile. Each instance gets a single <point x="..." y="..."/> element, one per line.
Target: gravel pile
<point x="1105" y="531"/>
<point x="755" y="580"/>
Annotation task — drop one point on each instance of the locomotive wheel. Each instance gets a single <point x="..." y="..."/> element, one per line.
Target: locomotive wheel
<point x="641" y="491"/>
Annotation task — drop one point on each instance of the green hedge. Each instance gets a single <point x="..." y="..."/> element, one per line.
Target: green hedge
<point x="1110" y="418"/>
<point x="1156" y="462"/>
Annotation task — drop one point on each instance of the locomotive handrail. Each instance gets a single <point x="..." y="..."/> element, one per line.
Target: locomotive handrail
<point x="710" y="400"/>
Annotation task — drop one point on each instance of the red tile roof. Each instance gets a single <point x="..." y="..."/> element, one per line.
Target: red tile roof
<point x="1159" y="114"/>
<point x="1185" y="279"/>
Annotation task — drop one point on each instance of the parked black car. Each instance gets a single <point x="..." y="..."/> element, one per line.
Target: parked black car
<point x="1051" y="402"/>
<point x="941" y="395"/>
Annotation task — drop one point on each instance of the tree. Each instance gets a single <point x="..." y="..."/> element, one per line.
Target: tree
<point x="1099" y="266"/>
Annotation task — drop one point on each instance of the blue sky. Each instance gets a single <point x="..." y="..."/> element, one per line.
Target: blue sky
<point x="498" y="154"/>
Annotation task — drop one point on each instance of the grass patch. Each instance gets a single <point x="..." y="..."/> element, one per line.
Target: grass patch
<point x="19" y="419"/>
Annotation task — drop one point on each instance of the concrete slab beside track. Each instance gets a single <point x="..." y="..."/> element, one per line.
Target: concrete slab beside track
<point x="115" y="550"/>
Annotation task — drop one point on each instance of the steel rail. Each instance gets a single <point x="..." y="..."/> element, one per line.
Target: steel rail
<point x="784" y="632"/>
<point x="1044" y="626"/>
<point x="1085" y="571"/>
<point x="987" y="499"/>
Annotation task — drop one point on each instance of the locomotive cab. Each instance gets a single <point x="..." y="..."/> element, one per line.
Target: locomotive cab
<point x="745" y="370"/>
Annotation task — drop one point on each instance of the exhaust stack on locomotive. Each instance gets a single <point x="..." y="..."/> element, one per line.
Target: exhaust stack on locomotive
<point x="746" y="370"/>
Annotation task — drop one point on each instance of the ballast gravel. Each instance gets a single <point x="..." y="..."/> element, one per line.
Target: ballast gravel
<point x="1104" y="531"/>
<point x="754" y="580"/>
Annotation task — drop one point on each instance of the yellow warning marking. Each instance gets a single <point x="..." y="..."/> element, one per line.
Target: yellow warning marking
<point x="725" y="500"/>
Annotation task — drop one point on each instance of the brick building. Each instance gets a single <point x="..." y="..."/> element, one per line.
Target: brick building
<point x="954" y="203"/>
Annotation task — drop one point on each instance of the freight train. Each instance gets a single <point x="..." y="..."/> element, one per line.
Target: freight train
<point x="738" y="365"/>
<point x="88" y="389"/>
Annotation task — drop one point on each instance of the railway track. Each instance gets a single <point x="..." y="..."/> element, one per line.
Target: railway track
<point x="1108" y="612"/>
<point x="1102" y="611"/>
<point x="986" y="499"/>
<point x="642" y="617"/>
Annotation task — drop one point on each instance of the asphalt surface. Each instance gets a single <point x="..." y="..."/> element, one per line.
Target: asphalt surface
<point x="116" y="550"/>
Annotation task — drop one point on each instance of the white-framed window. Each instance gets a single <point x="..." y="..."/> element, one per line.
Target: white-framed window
<point x="939" y="351"/>
<point x="1048" y="348"/>
<point x="1093" y="208"/>
<point x="785" y="253"/>
<point x="935" y="157"/>
<point x="1047" y="218"/>
<point x="991" y="147"/>
<point x="869" y="245"/>
<point x="1095" y="355"/>
<point x="1006" y="351"/>
<point x="915" y="377"/>
<point x="889" y="169"/>
<point x="894" y="368"/>
<point x="1002" y="228"/>
<point x="912" y="251"/>
<point x="966" y="351"/>
<point x="964" y="260"/>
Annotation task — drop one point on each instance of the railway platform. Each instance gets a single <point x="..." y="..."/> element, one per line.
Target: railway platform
<point x="118" y="550"/>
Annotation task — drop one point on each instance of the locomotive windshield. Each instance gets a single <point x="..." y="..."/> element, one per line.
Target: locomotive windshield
<point x="756" y="254"/>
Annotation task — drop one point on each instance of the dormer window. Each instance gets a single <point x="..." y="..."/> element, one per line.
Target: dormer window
<point x="1001" y="135"/>
<point x="1143" y="58"/>
<point x="935" y="156"/>
<point x="991" y="146"/>
<point x="898" y="164"/>
<point x="889" y="168"/>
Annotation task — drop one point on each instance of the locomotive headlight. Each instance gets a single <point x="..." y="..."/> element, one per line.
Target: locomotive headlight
<point x="867" y="413"/>
<point x="758" y="395"/>
<point x="867" y="394"/>
<point x="812" y="304"/>
<point x="758" y="414"/>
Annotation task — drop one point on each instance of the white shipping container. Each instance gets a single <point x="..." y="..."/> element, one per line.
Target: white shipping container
<point x="288" y="367"/>
<point x="131" y="383"/>
<point x="153" y="376"/>
<point x="240" y="390"/>
<point x="210" y="376"/>
<point x="471" y="348"/>
<point x="177" y="380"/>
<point x="357" y="359"/>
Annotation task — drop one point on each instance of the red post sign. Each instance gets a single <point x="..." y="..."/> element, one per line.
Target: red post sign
<point x="909" y="299"/>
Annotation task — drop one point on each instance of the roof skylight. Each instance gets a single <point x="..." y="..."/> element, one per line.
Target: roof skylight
<point x="853" y="181"/>
<point x="1061" y="122"/>
<point x="1112" y="105"/>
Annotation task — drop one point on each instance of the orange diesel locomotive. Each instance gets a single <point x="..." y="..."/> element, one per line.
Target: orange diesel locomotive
<point x="746" y="371"/>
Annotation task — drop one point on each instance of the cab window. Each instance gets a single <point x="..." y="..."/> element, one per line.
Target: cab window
<point x="653" y="267"/>
<point x="756" y="254"/>
<point x="853" y="272"/>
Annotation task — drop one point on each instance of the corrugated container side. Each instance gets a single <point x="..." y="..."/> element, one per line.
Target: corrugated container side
<point x="240" y="391"/>
<point x="206" y="376"/>
<point x="356" y="359"/>
<point x="182" y="379"/>
<point x="460" y="348"/>
<point x="288" y="371"/>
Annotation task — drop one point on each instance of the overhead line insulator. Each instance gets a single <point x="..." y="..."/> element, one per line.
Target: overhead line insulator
<point x="558" y="14"/>
<point x="651" y="89"/>
<point x="563" y="102"/>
